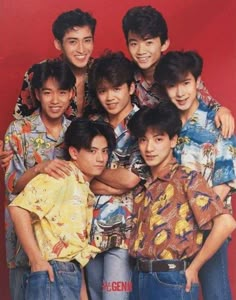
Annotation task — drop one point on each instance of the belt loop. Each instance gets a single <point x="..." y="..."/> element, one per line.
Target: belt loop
<point x="150" y="265"/>
<point x="185" y="265"/>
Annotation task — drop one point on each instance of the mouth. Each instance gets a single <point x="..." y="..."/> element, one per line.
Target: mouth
<point x="81" y="57"/>
<point x="182" y="102"/>
<point x="111" y="105"/>
<point x="142" y="60"/>
<point x="55" y="109"/>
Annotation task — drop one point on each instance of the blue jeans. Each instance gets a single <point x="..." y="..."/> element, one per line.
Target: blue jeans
<point x="214" y="277"/>
<point x="17" y="282"/>
<point x="109" y="275"/>
<point x="66" y="285"/>
<point x="161" y="286"/>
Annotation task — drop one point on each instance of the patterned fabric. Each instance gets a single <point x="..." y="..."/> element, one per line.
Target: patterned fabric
<point x="169" y="213"/>
<point x="147" y="96"/>
<point x="201" y="147"/>
<point x="30" y="143"/>
<point x="112" y="214"/>
<point x="61" y="212"/>
<point x="27" y="102"/>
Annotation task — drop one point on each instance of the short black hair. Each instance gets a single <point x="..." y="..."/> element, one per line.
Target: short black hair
<point x="69" y="19"/>
<point x="81" y="133"/>
<point x="164" y="117"/>
<point x="146" y="22"/>
<point x="174" y="66"/>
<point x="57" y="69"/>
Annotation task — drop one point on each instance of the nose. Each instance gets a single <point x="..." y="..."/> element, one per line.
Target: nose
<point x="141" y="48"/>
<point x="149" y="146"/>
<point x="180" y="90"/>
<point x="80" y="47"/>
<point x="109" y="94"/>
<point x="54" y="98"/>
<point x="101" y="156"/>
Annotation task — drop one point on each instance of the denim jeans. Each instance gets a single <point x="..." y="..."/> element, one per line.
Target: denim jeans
<point x="161" y="286"/>
<point x="17" y="282"/>
<point x="109" y="275"/>
<point x="214" y="277"/>
<point x="66" y="285"/>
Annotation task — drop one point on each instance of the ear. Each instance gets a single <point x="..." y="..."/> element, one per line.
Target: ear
<point x="73" y="153"/>
<point x="37" y="94"/>
<point x="198" y="81"/>
<point x="173" y="141"/>
<point x="165" y="46"/>
<point x="58" y="45"/>
<point x="132" y="88"/>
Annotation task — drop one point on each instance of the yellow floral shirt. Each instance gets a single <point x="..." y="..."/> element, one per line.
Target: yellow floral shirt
<point x="61" y="211"/>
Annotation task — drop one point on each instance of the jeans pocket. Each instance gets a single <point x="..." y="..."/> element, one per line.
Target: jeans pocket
<point x="171" y="279"/>
<point x="37" y="283"/>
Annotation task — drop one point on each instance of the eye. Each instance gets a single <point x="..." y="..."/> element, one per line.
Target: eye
<point x="141" y="140"/>
<point x="149" y="42"/>
<point x="88" y="40"/>
<point x="63" y="92"/>
<point x="117" y="88"/>
<point x="72" y="42"/>
<point x="132" y="44"/>
<point x="100" y="91"/>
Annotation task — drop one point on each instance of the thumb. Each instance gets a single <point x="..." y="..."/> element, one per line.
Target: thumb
<point x="188" y="286"/>
<point x="217" y="121"/>
<point x="51" y="274"/>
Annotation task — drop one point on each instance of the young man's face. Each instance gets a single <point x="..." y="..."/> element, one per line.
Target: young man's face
<point x="76" y="46"/>
<point x="156" y="149"/>
<point x="116" y="100"/>
<point x="146" y="52"/>
<point x="184" y="93"/>
<point x="91" y="162"/>
<point x="54" y="100"/>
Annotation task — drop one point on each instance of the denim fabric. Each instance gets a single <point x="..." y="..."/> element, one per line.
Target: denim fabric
<point x="66" y="285"/>
<point x="214" y="277"/>
<point x="17" y="282"/>
<point x="109" y="275"/>
<point x="161" y="286"/>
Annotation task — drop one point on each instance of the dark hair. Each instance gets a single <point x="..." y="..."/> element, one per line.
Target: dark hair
<point x="70" y="19"/>
<point x="81" y="133"/>
<point x="164" y="117"/>
<point x="56" y="69"/>
<point x="113" y="67"/>
<point x="146" y="22"/>
<point x="174" y="66"/>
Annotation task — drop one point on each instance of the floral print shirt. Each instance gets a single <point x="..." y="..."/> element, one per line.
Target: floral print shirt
<point x="61" y="212"/>
<point x="170" y="213"/>
<point x="201" y="147"/>
<point x="112" y="213"/>
<point x="31" y="144"/>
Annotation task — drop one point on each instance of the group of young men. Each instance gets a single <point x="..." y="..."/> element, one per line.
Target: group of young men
<point x="136" y="188"/>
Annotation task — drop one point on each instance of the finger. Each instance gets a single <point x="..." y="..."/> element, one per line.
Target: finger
<point x="217" y="121"/>
<point x="231" y="127"/>
<point x="188" y="286"/>
<point x="51" y="274"/>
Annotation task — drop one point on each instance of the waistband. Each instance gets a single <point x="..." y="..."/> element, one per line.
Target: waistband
<point x="152" y="265"/>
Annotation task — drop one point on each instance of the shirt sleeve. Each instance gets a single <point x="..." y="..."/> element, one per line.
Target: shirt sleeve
<point x="205" y="204"/>
<point x="26" y="102"/>
<point x="14" y="141"/>
<point x="39" y="195"/>
<point x="204" y="94"/>
<point x="225" y="163"/>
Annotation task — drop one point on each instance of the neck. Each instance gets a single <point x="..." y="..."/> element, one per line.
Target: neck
<point x="163" y="168"/>
<point x="187" y="114"/>
<point x="115" y="120"/>
<point x="148" y="74"/>
<point x="53" y="127"/>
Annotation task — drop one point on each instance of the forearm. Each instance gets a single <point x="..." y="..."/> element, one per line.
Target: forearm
<point x="100" y="188"/>
<point x="222" y="228"/>
<point x="222" y="190"/>
<point x="25" y="178"/>
<point x="22" y="223"/>
<point x="119" y="178"/>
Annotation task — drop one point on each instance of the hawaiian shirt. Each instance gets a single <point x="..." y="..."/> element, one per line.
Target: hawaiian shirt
<point x="61" y="212"/>
<point x="112" y="213"/>
<point x="27" y="102"/>
<point x="201" y="147"/>
<point x="31" y="144"/>
<point x="148" y="96"/>
<point x="170" y="214"/>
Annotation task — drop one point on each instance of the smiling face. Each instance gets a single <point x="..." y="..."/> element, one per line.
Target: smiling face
<point x="91" y="162"/>
<point x="54" y="100"/>
<point x="116" y="100"/>
<point x="156" y="149"/>
<point x="184" y="94"/>
<point x="76" y="46"/>
<point x="146" y="52"/>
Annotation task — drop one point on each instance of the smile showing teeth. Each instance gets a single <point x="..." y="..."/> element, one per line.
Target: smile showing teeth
<point x="143" y="59"/>
<point x="55" y="109"/>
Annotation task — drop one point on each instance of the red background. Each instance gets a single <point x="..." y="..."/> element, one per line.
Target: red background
<point x="26" y="38"/>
